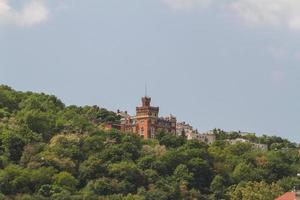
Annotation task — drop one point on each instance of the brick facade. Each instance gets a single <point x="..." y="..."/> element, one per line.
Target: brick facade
<point x="146" y="122"/>
<point x="146" y="119"/>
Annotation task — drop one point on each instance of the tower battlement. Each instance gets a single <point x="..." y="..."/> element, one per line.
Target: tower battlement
<point x="146" y="122"/>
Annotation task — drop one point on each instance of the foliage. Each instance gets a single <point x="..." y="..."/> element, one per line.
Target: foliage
<point x="254" y="190"/>
<point x="52" y="151"/>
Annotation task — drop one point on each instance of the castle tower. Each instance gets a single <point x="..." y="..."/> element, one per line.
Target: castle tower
<point x="146" y="118"/>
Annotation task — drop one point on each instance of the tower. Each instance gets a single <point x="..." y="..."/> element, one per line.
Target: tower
<point x="146" y="118"/>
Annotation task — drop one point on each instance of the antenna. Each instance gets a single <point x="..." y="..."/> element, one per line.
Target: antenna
<point x="146" y="89"/>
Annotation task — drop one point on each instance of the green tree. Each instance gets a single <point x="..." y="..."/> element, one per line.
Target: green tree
<point x="65" y="181"/>
<point x="172" y="141"/>
<point x="39" y="122"/>
<point x="182" y="174"/>
<point x="92" y="168"/>
<point x="202" y="172"/>
<point x="8" y="98"/>
<point x="13" y="145"/>
<point x="102" y="186"/>
<point x="289" y="183"/>
<point x="127" y="171"/>
<point x="245" y="172"/>
<point x="218" y="187"/>
<point x="13" y="180"/>
<point x="254" y="191"/>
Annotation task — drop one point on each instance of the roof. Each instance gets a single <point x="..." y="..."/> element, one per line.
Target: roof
<point x="287" y="196"/>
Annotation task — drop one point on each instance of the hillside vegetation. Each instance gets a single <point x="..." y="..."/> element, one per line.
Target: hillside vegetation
<point x="52" y="151"/>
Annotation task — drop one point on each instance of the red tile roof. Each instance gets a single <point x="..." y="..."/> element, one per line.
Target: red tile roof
<point x="287" y="196"/>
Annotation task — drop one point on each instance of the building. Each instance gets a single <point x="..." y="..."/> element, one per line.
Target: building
<point x="184" y="129"/>
<point x="109" y="126"/>
<point x="262" y="147"/>
<point x="146" y="119"/>
<point x="127" y="122"/>
<point x="167" y="123"/>
<point x="203" y="137"/>
<point x="208" y="137"/>
<point x="289" y="196"/>
<point x="146" y="122"/>
<point x="238" y="140"/>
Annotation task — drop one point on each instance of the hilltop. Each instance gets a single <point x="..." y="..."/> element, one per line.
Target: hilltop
<point x="52" y="151"/>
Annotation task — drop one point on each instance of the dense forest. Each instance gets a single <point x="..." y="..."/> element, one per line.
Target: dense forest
<point x="52" y="151"/>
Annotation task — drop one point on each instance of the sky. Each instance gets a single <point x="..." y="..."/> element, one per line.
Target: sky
<point x="232" y="64"/>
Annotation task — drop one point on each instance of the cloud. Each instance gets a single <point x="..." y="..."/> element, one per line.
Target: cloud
<point x="271" y="12"/>
<point x="187" y="4"/>
<point x="32" y="13"/>
<point x="297" y="56"/>
<point x="279" y="52"/>
<point x="277" y="13"/>
<point x="278" y="76"/>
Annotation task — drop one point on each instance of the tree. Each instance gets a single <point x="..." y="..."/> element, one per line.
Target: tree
<point x="63" y="195"/>
<point x="146" y="162"/>
<point x="289" y="183"/>
<point x="30" y="157"/>
<point x="218" y="187"/>
<point x="182" y="174"/>
<point x="127" y="171"/>
<point x="202" y="172"/>
<point x="92" y="168"/>
<point x="245" y="172"/>
<point x="65" y="181"/>
<point x="39" y="122"/>
<point x="254" y="191"/>
<point x="67" y="145"/>
<point x="50" y="151"/>
<point x="278" y="165"/>
<point x="70" y="120"/>
<point x="41" y="176"/>
<point x="93" y="145"/>
<point x="8" y="98"/>
<point x="114" y="154"/>
<point x="13" y="145"/>
<point x="171" y="141"/>
<point x="14" y="179"/>
<point x="45" y="190"/>
<point x="102" y="186"/>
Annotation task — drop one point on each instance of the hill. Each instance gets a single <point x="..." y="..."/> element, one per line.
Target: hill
<point x="52" y="151"/>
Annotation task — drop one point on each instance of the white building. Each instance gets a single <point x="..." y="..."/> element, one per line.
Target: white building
<point x="262" y="147"/>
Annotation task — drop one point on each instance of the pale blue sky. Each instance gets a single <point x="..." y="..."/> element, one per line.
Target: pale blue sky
<point x="234" y="65"/>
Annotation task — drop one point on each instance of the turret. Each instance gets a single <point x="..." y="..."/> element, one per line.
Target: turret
<point x="146" y="101"/>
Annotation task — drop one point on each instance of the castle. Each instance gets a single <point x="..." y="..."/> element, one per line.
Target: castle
<point x="146" y="122"/>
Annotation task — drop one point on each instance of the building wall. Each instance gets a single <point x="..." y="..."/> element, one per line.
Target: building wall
<point x="167" y="123"/>
<point x="146" y="122"/>
<point x="185" y="129"/>
<point x="262" y="147"/>
<point x="146" y="119"/>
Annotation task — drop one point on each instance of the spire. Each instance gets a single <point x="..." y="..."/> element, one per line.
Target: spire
<point x="146" y="100"/>
<point x="146" y="90"/>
